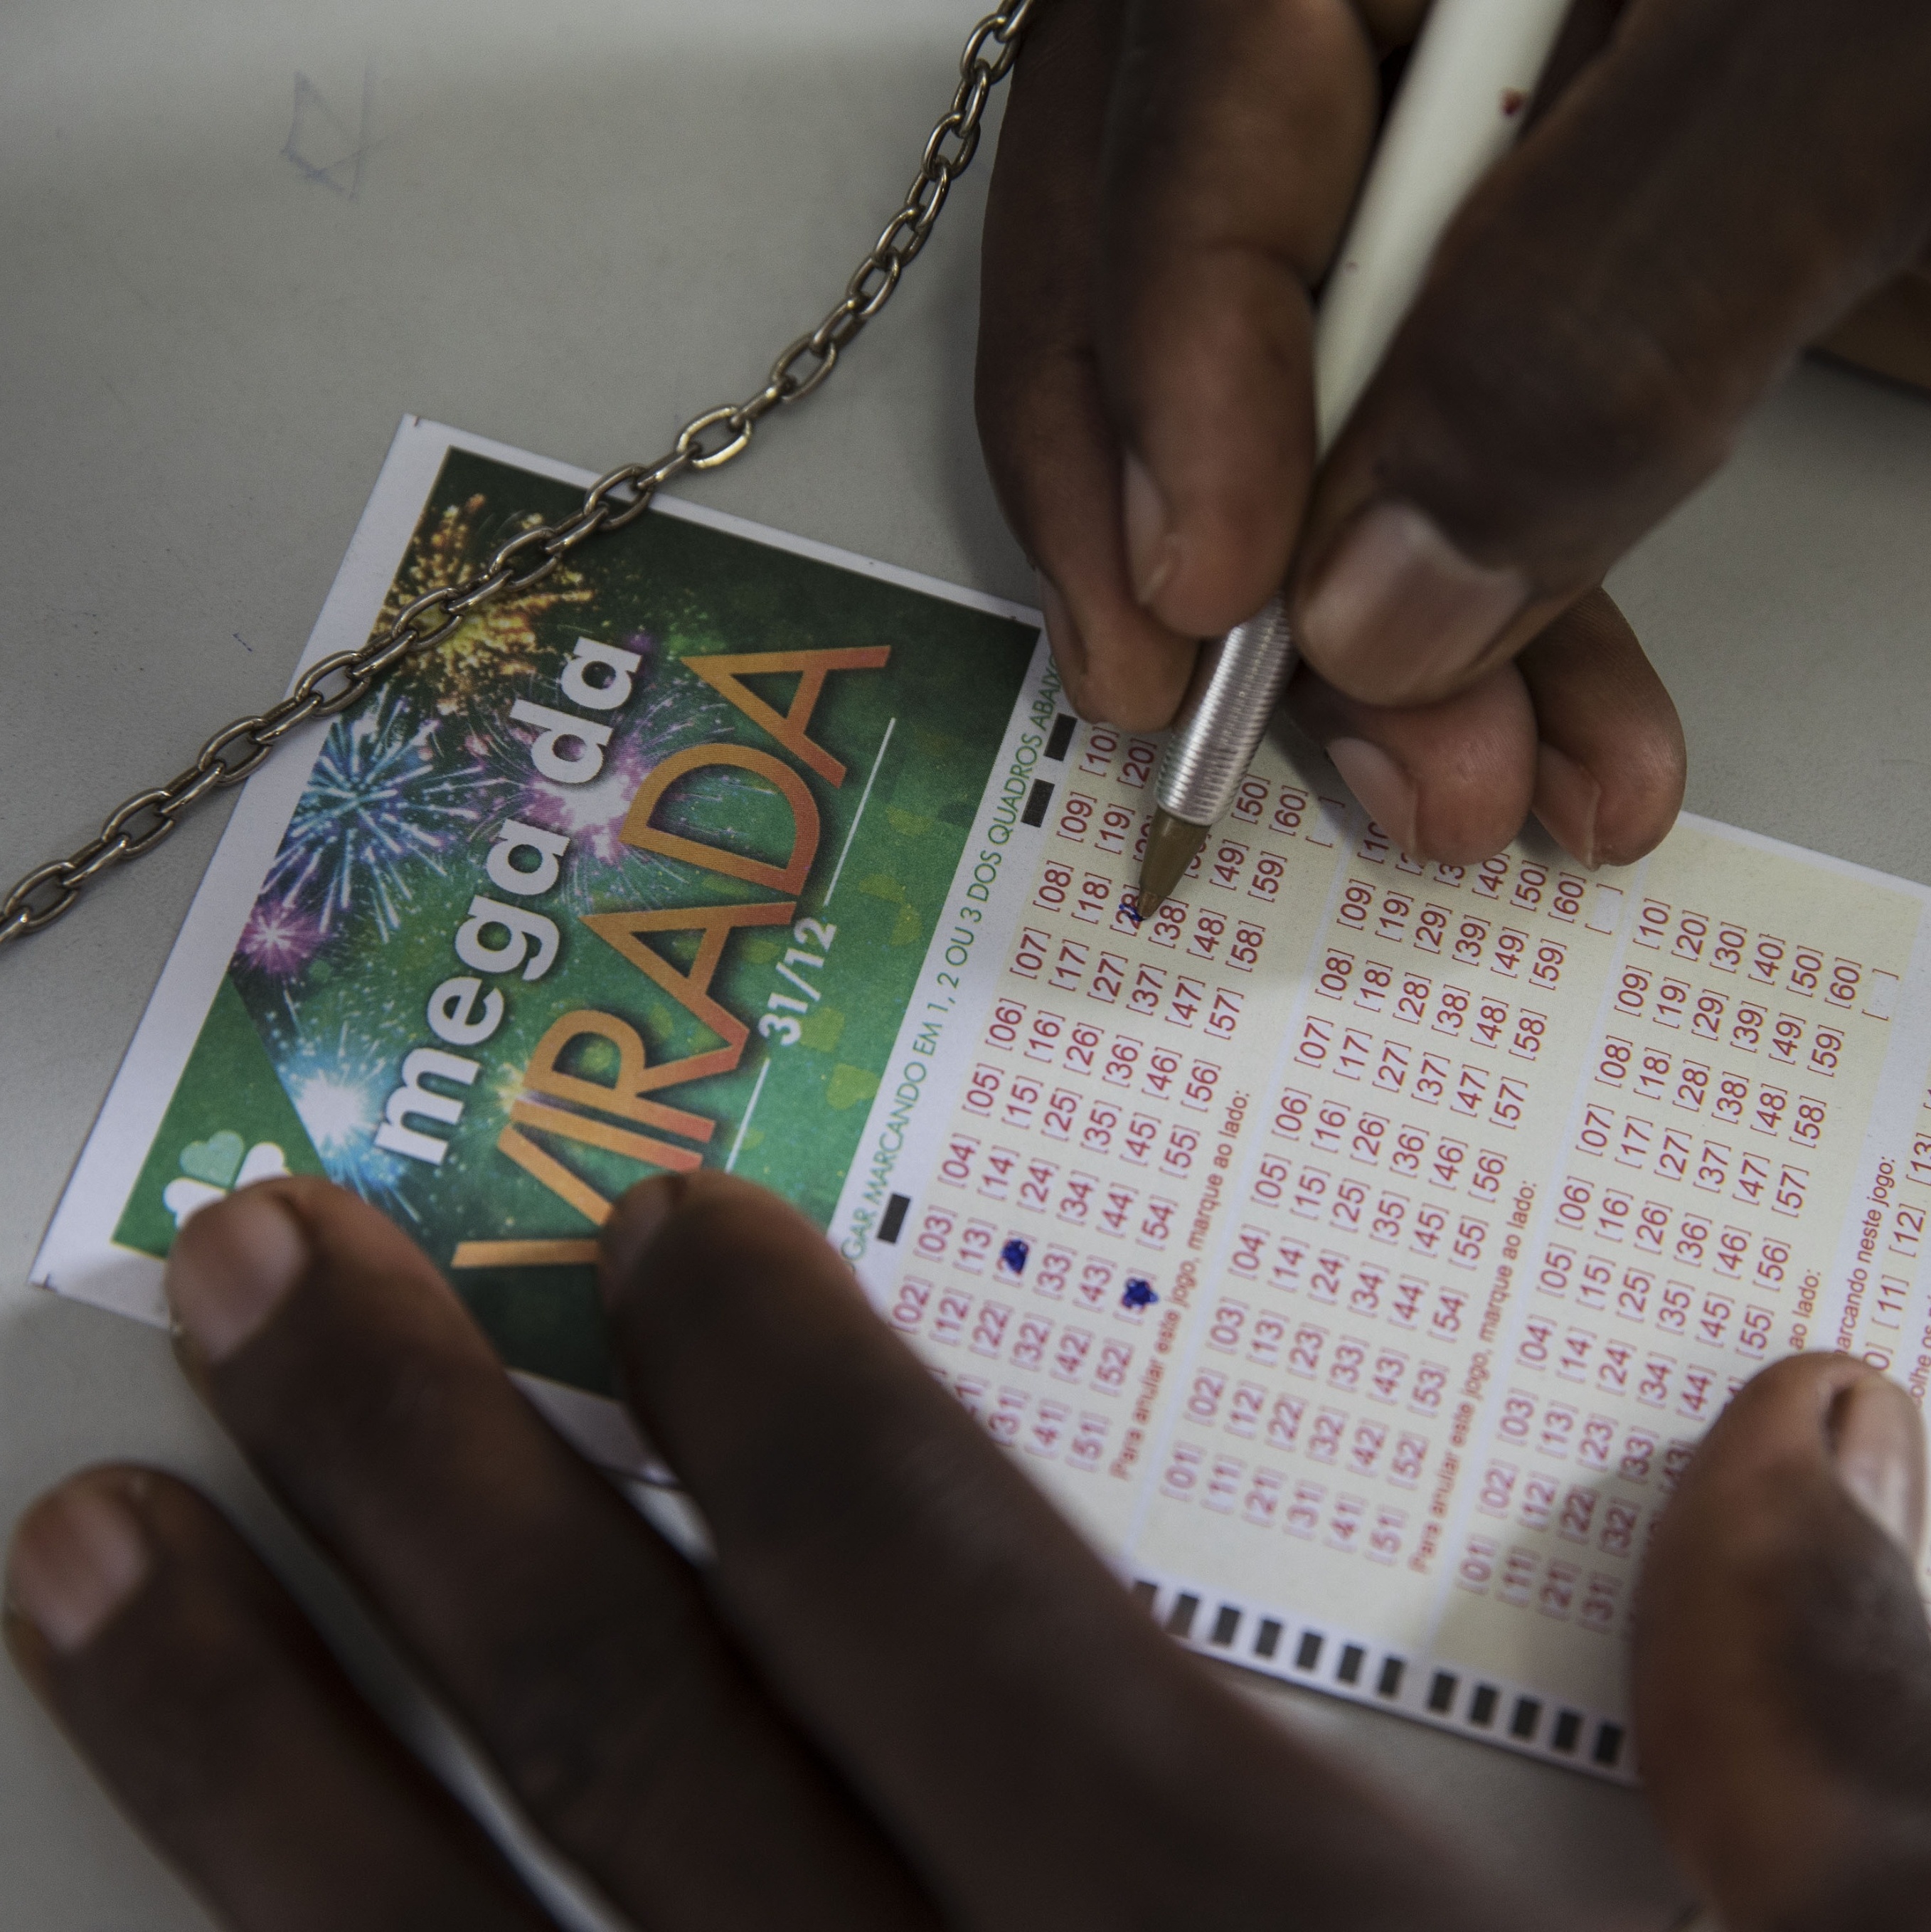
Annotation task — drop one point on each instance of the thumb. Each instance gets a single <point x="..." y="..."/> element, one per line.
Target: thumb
<point x="1782" y="1669"/>
<point x="1718" y="187"/>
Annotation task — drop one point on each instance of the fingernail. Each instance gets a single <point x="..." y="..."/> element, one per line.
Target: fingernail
<point x="632" y="1228"/>
<point x="1152" y="546"/>
<point x="1063" y="634"/>
<point x="77" y="1557"/>
<point x="1566" y="796"/>
<point x="231" y="1269"/>
<point x="1397" y="611"/>
<point x="1387" y="791"/>
<point x="1879" y="1447"/>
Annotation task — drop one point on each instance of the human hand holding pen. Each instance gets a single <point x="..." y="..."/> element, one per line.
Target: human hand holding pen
<point x="1712" y="187"/>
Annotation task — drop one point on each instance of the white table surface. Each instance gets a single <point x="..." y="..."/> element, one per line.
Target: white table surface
<point x="237" y="242"/>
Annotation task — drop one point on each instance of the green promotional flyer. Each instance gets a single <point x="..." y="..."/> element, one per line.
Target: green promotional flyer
<point x="634" y="872"/>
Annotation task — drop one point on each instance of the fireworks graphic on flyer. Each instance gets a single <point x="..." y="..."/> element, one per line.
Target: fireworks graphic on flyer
<point x="335" y="1050"/>
<point x="280" y="938"/>
<point x="375" y="813"/>
<point x="497" y="644"/>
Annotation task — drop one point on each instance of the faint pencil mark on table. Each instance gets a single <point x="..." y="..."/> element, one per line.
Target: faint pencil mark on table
<point x="320" y="143"/>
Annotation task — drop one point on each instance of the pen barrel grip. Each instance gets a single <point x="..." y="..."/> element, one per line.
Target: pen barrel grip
<point x="1236" y="685"/>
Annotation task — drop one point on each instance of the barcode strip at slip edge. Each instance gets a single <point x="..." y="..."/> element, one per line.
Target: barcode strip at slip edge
<point x="1322" y="1657"/>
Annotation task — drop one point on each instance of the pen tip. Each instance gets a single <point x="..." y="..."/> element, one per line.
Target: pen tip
<point x="1171" y="846"/>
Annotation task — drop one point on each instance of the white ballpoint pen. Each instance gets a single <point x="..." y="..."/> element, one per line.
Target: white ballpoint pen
<point x="1460" y="105"/>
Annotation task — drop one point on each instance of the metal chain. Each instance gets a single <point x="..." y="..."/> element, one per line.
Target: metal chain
<point x="52" y="891"/>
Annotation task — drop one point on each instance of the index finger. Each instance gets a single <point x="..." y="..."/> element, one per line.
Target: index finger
<point x="1043" y="1754"/>
<point x="1235" y="144"/>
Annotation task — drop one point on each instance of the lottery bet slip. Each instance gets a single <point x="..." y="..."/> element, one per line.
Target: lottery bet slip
<point x="1355" y="1250"/>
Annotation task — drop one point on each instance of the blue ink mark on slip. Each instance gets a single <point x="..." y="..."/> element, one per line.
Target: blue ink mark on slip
<point x="1131" y="908"/>
<point x="1012" y="1256"/>
<point x="1139" y="1293"/>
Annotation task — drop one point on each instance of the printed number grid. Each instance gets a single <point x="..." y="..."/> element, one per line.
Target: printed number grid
<point x="1360" y="1246"/>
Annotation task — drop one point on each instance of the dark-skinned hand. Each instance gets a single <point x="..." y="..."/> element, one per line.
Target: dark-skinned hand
<point x="904" y="1694"/>
<point x="1706" y="186"/>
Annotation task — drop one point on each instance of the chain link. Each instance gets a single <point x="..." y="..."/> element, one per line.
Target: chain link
<point x="612" y="502"/>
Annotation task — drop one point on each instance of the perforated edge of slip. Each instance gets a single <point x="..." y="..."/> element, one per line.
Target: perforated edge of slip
<point x="1323" y="1656"/>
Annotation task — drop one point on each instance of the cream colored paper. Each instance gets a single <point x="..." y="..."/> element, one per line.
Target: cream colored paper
<point x="1461" y="1201"/>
